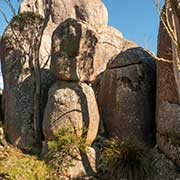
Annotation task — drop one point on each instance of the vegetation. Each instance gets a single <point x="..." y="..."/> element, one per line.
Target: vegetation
<point x="64" y="148"/>
<point x="124" y="160"/>
<point x="14" y="165"/>
<point x="26" y="31"/>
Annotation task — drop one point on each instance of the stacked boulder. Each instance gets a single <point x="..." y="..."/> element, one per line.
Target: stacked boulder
<point x="18" y="91"/>
<point x="127" y="106"/>
<point x="89" y="73"/>
<point x="93" y="44"/>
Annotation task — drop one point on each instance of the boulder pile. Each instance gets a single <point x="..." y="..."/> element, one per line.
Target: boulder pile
<point x="93" y="80"/>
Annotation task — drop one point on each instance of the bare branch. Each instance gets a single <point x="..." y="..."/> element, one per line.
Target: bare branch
<point x="10" y="5"/>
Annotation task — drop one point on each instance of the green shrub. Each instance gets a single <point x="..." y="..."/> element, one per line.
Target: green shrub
<point x="14" y="165"/>
<point x="124" y="160"/>
<point x="27" y="20"/>
<point x="65" y="147"/>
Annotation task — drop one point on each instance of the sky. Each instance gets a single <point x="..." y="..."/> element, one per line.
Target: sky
<point x="138" y="20"/>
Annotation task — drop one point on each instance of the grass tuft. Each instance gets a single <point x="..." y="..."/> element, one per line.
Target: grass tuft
<point x="125" y="160"/>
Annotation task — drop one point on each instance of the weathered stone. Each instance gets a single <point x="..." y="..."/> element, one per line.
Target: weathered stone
<point x="167" y="106"/>
<point x="73" y="50"/>
<point x="19" y="106"/>
<point x="18" y="92"/>
<point x="110" y="43"/>
<point x="79" y="53"/>
<point x="74" y="104"/>
<point x="164" y="169"/>
<point x="18" y="88"/>
<point x="127" y="96"/>
<point x="83" y="10"/>
<point x="85" y="165"/>
<point x="168" y="126"/>
<point x="35" y="6"/>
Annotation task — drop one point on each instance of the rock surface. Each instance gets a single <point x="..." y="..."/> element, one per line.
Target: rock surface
<point x="167" y="107"/>
<point x="86" y="165"/>
<point x="83" y="10"/>
<point x="168" y="126"/>
<point x="127" y="96"/>
<point x="17" y="81"/>
<point x="164" y="169"/>
<point x="81" y="54"/>
<point x="74" y="104"/>
<point x="73" y="51"/>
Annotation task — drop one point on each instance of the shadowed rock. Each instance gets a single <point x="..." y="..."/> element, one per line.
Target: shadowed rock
<point x="71" y="104"/>
<point x="126" y="97"/>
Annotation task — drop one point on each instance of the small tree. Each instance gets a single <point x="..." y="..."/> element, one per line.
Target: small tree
<point x="26" y="31"/>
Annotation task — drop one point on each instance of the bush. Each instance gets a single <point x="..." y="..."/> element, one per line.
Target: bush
<point x="64" y="148"/>
<point x="14" y="165"/>
<point x="124" y="160"/>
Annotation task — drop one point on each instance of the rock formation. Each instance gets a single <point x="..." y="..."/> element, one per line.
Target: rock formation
<point x="167" y="107"/>
<point x="71" y="104"/>
<point x="18" y="94"/>
<point x="126" y="96"/>
<point x="91" y="79"/>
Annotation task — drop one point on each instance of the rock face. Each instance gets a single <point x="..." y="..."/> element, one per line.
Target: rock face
<point x="18" y="91"/>
<point x="168" y="125"/>
<point x="79" y="53"/>
<point x="83" y="10"/>
<point x="164" y="169"/>
<point x="73" y="51"/>
<point x="86" y="165"/>
<point x="127" y="96"/>
<point x="71" y="104"/>
<point x="167" y="108"/>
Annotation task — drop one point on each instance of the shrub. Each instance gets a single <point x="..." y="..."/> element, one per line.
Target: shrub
<point x="125" y="160"/>
<point x="64" y="148"/>
<point x="14" y="165"/>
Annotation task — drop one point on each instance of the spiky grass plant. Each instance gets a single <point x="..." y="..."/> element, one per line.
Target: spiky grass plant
<point x="124" y="160"/>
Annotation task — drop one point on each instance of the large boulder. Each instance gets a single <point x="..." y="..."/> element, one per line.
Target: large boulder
<point x="126" y="96"/>
<point x="167" y="107"/>
<point x="168" y="136"/>
<point x="73" y="51"/>
<point x="83" y="10"/>
<point x="18" y="88"/>
<point x="71" y="104"/>
<point x="80" y="54"/>
<point x="164" y="168"/>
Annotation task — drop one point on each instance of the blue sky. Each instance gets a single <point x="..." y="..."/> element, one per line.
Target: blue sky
<point x="137" y="19"/>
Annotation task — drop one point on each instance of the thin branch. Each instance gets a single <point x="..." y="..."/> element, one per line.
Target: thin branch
<point x="4" y="15"/>
<point x="10" y="5"/>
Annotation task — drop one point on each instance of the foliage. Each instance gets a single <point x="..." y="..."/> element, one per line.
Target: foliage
<point x="64" y="148"/>
<point x="27" y="19"/>
<point x="125" y="160"/>
<point x="16" y="166"/>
